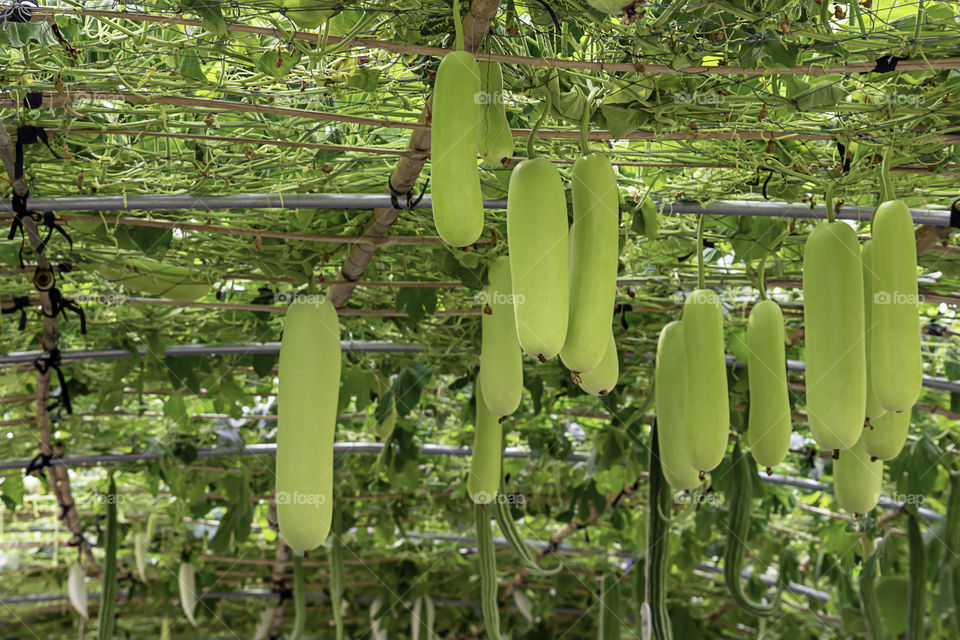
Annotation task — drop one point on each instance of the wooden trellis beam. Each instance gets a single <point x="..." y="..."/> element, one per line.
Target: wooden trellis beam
<point x="405" y="175"/>
<point x="862" y="66"/>
<point x="58" y="478"/>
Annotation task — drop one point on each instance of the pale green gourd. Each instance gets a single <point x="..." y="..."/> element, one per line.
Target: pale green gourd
<point x="495" y="139"/>
<point x="501" y="360"/>
<point x="601" y="380"/>
<point x="836" y="371"/>
<point x="593" y="262"/>
<point x="483" y="481"/>
<point x="309" y="374"/>
<point x="670" y="388"/>
<point x="874" y="408"/>
<point x="539" y="257"/>
<point x="769" y="423"/>
<point x="886" y="435"/>
<point x="708" y="407"/>
<point x="857" y="479"/>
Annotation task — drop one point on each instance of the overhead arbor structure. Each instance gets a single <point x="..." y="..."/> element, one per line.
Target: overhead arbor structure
<point x="204" y="163"/>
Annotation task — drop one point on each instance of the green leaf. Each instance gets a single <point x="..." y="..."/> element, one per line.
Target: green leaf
<point x="826" y="93"/>
<point x="210" y="14"/>
<point x="269" y="60"/>
<point x="417" y="302"/>
<point x="263" y="364"/>
<point x="11" y="491"/>
<point x="408" y="386"/>
<point x="182" y="371"/>
<point x="151" y="240"/>
<point x="364" y="79"/>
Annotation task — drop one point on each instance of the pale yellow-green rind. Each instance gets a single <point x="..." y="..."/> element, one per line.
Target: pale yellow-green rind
<point x="857" y="480"/>
<point x="670" y="389"/>
<point x="483" y="481"/>
<point x="769" y="425"/>
<point x="156" y="278"/>
<point x="384" y="430"/>
<point x="601" y="380"/>
<point x="708" y="408"/>
<point x="495" y="140"/>
<point x="836" y="368"/>
<point x="454" y="176"/>
<point x="889" y="434"/>
<point x="539" y="257"/>
<point x="309" y="387"/>
<point x="187" y="582"/>
<point x="593" y="262"/>
<point x="501" y="360"/>
<point x="895" y="339"/>
<point x="874" y="408"/>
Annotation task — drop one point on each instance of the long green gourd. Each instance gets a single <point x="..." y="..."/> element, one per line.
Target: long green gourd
<point x="488" y="573"/>
<point x="769" y="423"/>
<point x="857" y="479"/>
<point x="593" y="261"/>
<point x="670" y="390"/>
<point x="336" y="576"/>
<point x="708" y="409"/>
<point x="833" y="320"/>
<point x="77" y="589"/>
<point x="483" y="480"/>
<point x="187" y="584"/>
<point x="917" y="595"/>
<point x="610" y="613"/>
<point x="299" y="598"/>
<point x="601" y="380"/>
<point x="897" y="368"/>
<point x="874" y="408"/>
<point x="309" y="374"/>
<point x="886" y="435"/>
<point x="108" y="590"/>
<point x="539" y="257"/>
<point x="495" y="139"/>
<point x="741" y="498"/>
<point x="455" y="119"/>
<point x="659" y="502"/>
<point x="868" y="597"/>
<point x="501" y="360"/>
<point x="501" y="512"/>
<point x="951" y="551"/>
<point x="155" y="278"/>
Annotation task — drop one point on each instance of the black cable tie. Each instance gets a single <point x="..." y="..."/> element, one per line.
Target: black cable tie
<point x="18" y="12"/>
<point x="885" y="64"/>
<point x="20" y="303"/>
<point x="413" y="205"/>
<point x="50" y="222"/>
<point x="51" y="360"/>
<point x="40" y="462"/>
<point x="64" y="267"/>
<point x="765" y="183"/>
<point x="33" y="100"/>
<point x="29" y="134"/>
<point x="955" y="214"/>
<point x="19" y="205"/>
<point x="622" y="308"/>
<point x="395" y="195"/>
<point x="936" y="329"/>
<point x="842" y="150"/>
<point x="60" y="305"/>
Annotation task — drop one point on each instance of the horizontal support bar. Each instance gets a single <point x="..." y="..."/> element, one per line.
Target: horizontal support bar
<point x="374" y="448"/>
<point x="372" y="346"/>
<point x="934" y="217"/>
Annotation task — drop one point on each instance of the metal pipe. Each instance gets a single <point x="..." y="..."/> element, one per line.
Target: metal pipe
<point x="154" y="202"/>
<point x="437" y="450"/>
<point x="373" y="346"/>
